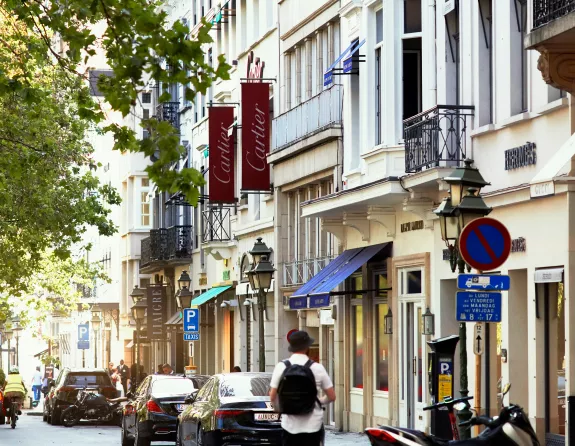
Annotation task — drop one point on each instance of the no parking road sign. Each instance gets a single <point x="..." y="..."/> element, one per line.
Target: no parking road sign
<point x="485" y="244"/>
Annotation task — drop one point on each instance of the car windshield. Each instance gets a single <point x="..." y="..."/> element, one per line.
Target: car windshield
<point x="173" y="386"/>
<point x="237" y="385"/>
<point x="199" y="382"/>
<point x="87" y="379"/>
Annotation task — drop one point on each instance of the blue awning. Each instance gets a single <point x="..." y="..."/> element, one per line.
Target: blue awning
<point x="209" y="295"/>
<point x="327" y="76"/>
<point x="348" y="63"/>
<point x="335" y="273"/>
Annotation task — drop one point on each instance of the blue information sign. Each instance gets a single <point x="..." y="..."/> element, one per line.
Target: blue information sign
<point x="480" y="282"/>
<point x="348" y="64"/>
<point x="476" y="306"/>
<point x="83" y="345"/>
<point x="297" y="303"/>
<point x="319" y="301"/>
<point x="192" y="336"/>
<point x="191" y="319"/>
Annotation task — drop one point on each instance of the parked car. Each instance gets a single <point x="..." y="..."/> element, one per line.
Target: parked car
<point x="63" y="392"/>
<point x="152" y="410"/>
<point x="232" y="408"/>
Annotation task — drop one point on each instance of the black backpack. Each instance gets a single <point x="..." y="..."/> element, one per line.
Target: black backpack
<point x="297" y="392"/>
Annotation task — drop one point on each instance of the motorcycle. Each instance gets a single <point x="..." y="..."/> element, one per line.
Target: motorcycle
<point x="92" y="405"/>
<point x="510" y="428"/>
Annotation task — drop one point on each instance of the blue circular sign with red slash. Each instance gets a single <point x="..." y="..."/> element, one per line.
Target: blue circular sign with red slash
<point x="485" y="244"/>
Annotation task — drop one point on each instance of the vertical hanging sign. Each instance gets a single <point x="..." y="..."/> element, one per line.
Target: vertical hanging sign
<point x="156" y="312"/>
<point x="222" y="166"/>
<point x="255" y="136"/>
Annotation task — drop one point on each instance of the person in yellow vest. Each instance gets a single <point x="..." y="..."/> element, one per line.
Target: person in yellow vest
<point x="14" y="388"/>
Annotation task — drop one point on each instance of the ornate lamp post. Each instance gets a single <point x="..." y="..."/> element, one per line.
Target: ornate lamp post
<point x="260" y="278"/>
<point x="463" y="205"/>
<point x="8" y="333"/>
<point x="17" y="328"/>
<point x="139" y="313"/>
<point x="184" y="300"/>
<point x="96" y="321"/>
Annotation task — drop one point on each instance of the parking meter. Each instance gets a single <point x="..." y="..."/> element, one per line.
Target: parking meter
<point x="440" y="369"/>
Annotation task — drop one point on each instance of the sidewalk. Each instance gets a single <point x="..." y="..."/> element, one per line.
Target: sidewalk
<point x="36" y="411"/>
<point x="333" y="438"/>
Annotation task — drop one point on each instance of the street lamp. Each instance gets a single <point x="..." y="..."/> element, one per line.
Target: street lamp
<point x="8" y="333"/>
<point x="185" y="280"/>
<point x="388" y="322"/>
<point x="463" y="205"/>
<point x="96" y="321"/>
<point x="428" y="323"/>
<point x="139" y="313"/>
<point x="17" y="328"/>
<point x="260" y="278"/>
<point x="137" y="294"/>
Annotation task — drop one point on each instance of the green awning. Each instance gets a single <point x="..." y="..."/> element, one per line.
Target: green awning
<point x="209" y="295"/>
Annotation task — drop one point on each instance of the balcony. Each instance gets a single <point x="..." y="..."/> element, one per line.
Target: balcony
<point x="436" y="137"/>
<point x="180" y="244"/>
<point x="301" y="271"/>
<point x="311" y="118"/>
<point x="545" y="11"/>
<point x="217" y="227"/>
<point x="166" y="247"/>
<point x="169" y="111"/>
<point x="553" y="36"/>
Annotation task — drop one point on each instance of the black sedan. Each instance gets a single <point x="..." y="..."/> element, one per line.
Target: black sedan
<point x="230" y="409"/>
<point x="151" y="413"/>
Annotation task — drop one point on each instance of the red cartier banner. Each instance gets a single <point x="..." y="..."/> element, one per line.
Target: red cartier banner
<point x="222" y="166"/>
<point x="255" y="136"/>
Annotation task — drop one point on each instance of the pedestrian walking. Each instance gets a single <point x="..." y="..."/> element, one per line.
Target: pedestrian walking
<point x="124" y="373"/>
<point x="295" y="390"/>
<point x="37" y="383"/>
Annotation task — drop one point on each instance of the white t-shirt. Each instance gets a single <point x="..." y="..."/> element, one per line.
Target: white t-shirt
<point x="37" y="379"/>
<point x="308" y="423"/>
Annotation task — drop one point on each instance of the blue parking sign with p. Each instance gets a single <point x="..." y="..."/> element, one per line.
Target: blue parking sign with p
<point x="83" y="332"/>
<point x="191" y="319"/>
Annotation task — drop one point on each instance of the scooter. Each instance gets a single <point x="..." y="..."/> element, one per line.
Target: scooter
<point x="510" y="428"/>
<point x="91" y="405"/>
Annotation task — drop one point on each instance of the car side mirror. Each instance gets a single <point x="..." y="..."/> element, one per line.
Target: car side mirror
<point x="191" y="397"/>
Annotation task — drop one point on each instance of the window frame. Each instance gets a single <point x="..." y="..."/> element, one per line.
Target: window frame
<point x="354" y="302"/>
<point x="377" y="327"/>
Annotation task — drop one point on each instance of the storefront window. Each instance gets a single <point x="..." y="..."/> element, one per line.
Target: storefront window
<point x="560" y="377"/>
<point x="357" y="334"/>
<point x="357" y="346"/>
<point x="382" y="358"/>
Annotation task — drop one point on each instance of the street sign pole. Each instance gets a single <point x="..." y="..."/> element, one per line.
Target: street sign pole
<point x="478" y="350"/>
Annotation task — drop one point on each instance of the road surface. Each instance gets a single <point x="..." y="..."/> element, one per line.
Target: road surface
<point x="31" y="431"/>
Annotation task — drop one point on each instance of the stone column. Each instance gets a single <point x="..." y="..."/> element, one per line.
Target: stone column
<point x="308" y="68"/>
<point x="287" y="82"/>
<point x="298" y="75"/>
<point x="320" y="60"/>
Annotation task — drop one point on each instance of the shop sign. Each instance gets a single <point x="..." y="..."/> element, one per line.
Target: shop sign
<point x="549" y="275"/>
<point x="255" y="136"/>
<point x="412" y="226"/>
<point x="519" y="245"/>
<point x="542" y="189"/>
<point x="203" y="281"/>
<point x="325" y="317"/>
<point x="222" y="164"/>
<point x="226" y="275"/>
<point x="297" y="303"/>
<point x="521" y="156"/>
<point x="156" y="312"/>
<point x="319" y="301"/>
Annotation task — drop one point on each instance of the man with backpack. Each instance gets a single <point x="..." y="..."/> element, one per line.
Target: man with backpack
<point x="295" y="388"/>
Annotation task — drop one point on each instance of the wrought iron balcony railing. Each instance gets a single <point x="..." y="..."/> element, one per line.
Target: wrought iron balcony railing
<point x="154" y="247"/>
<point x="217" y="226"/>
<point x="545" y="11"/>
<point x="300" y="271"/>
<point x="180" y="242"/>
<point x="322" y="111"/>
<point x="437" y="137"/>
<point x="169" y="111"/>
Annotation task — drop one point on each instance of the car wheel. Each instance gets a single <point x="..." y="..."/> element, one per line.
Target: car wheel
<point x="55" y="417"/>
<point x="139" y="440"/>
<point x="125" y="440"/>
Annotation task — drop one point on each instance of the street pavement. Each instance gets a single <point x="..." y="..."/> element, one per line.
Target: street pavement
<point x="32" y="431"/>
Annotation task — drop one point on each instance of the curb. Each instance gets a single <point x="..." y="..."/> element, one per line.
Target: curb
<point x="34" y="414"/>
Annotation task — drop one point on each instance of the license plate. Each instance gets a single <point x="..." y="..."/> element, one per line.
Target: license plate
<point x="267" y="416"/>
<point x="180" y="407"/>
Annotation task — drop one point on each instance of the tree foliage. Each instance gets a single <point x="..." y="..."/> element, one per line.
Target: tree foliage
<point x="48" y="193"/>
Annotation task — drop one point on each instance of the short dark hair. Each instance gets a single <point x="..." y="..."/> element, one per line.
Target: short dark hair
<point x="236" y="369"/>
<point x="167" y="365"/>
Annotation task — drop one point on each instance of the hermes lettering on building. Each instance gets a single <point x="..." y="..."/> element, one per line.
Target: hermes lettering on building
<point x="521" y="156"/>
<point x="412" y="226"/>
<point x="255" y="68"/>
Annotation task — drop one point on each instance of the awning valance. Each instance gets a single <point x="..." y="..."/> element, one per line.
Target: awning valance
<point x="350" y="50"/>
<point x="319" y="287"/>
<point x="209" y="295"/>
<point x="176" y="319"/>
